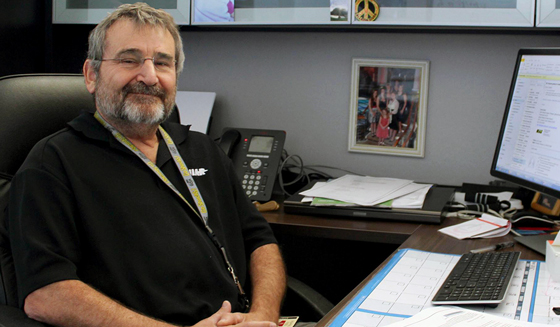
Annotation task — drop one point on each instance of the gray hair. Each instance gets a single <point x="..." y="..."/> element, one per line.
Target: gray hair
<point x="141" y="14"/>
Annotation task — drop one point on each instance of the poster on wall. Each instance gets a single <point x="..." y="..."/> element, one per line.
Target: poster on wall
<point x="388" y="103"/>
<point x="92" y="12"/>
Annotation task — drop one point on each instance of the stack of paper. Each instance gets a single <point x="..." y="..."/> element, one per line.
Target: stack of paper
<point x="369" y="191"/>
<point x="445" y="316"/>
<point x="486" y="226"/>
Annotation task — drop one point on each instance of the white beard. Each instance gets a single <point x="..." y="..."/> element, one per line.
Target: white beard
<point x="134" y="107"/>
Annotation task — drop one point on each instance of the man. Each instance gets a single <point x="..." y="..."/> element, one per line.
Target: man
<point x="107" y="226"/>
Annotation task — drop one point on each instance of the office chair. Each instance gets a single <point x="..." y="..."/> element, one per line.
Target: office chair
<point x="33" y="106"/>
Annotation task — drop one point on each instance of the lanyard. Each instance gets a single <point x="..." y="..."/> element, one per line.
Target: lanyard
<point x="202" y="212"/>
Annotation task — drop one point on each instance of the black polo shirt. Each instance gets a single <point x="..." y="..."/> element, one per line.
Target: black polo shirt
<point x="84" y="207"/>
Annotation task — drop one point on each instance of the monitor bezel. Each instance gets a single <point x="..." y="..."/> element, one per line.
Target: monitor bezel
<point x="507" y="177"/>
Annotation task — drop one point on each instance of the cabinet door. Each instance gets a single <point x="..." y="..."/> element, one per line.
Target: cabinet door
<point x="548" y="13"/>
<point x="270" y="12"/>
<point x="503" y="13"/>
<point x="92" y="12"/>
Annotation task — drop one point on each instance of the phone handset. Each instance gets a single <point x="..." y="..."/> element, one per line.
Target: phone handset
<point x="228" y="140"/>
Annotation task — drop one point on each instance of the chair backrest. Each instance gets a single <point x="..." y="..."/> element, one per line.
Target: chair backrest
<point x="8" y="290"/>
<point x="32" y="106"/>
<point x="35" y="106"/>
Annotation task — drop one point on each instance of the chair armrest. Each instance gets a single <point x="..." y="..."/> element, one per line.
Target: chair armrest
<point x="14" y="317"/>
<point x="315" y="302"/>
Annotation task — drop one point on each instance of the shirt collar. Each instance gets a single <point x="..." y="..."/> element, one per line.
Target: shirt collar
<point x="91" y="128"/>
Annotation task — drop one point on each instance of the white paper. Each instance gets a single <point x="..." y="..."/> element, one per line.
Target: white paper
<point x="459" y="317"/>
<point x="414" y="200"/>
<point x="195" y="109"/>
<point x="402" y="193"/>
<point x="556" y="240"/>
<point x="307" y="199"/>
<point x="496" y="232"/>
<point x="477" y="227"/>
<point x="317" y="185"/>
<point x="361" y="190"/>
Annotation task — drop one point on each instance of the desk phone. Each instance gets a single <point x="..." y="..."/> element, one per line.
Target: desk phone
<point x="256" y="155"/>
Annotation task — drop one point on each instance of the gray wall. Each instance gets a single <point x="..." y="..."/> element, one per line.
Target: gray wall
<point x="300" y="82"/>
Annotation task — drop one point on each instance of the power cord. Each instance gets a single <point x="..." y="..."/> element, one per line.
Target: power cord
<point x="301" y="174"/>
<point x="542" y="219"/>
<point x="472" y="214"/>
<point x="500" y="210"/>
<point x="508" y="214"/>
<point x="304" y="174"/>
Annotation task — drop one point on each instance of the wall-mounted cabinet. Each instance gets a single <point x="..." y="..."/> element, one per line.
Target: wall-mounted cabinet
<point x="548" y="13"/>
<point x="270" y="12"/>
<point x="502" y="13"/>
<point x="92" y="12"/>
<point x="443" y="13"/>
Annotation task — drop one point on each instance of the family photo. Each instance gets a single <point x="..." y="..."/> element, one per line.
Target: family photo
<point x="387" y="111"/>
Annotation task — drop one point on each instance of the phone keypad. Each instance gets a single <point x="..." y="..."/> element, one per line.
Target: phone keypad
<point x="253" y="183"/>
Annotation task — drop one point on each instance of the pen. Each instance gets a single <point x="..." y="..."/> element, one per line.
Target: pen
<point x="494" y="247"/>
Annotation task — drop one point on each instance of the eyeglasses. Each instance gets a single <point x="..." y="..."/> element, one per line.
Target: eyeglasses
<point x="131" y="62"/>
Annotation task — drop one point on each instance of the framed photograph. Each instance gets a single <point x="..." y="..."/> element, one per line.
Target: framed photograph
<point x="92" y="12"/>
<point x="548" y="13"/>
<point x="505" y="13"/>
<point x="388" y="104"/>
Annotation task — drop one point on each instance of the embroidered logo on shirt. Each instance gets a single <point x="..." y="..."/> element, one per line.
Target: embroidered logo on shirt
<point x="198" y="171"/>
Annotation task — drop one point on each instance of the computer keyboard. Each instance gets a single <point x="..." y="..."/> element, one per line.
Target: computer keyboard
<point x="478" y="278"/>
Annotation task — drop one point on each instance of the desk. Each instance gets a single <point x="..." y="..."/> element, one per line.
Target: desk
<point x="341" y="228"/>
<point x="410" y="235"/>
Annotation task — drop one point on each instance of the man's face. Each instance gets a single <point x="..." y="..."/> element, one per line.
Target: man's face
<point x="142" y="93"/>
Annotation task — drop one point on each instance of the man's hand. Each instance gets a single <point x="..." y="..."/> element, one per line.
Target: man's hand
<point x="268" y="277"/>
<point x="224" y="317"/>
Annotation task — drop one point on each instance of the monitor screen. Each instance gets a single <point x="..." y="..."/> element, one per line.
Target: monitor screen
<point x="528" y="148"/>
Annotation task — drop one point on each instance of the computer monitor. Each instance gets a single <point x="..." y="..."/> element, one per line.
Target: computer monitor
<point x="528" y="148"/>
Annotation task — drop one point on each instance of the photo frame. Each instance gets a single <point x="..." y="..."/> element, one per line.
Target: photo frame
<point x="388" y="104"/>
<point x="504" y="13"/>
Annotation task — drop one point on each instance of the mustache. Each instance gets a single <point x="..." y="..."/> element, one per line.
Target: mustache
<point x="141" y="88"/>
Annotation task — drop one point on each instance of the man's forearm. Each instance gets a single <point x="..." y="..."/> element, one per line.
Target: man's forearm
<point x="268" y="277"/>
<point x="73" y="303"/>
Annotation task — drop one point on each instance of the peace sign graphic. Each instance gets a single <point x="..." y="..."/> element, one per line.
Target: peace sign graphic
<point x="367" y="10"/>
